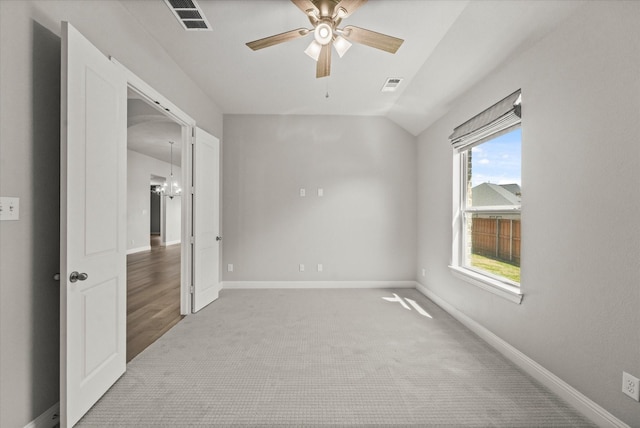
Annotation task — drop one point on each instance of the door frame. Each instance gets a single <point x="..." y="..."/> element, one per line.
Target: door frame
<point x="188" y="125"/>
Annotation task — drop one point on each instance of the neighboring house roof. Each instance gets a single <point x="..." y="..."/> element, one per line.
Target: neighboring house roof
<point x="513" y="188"/>
<point x="489" y="194"/>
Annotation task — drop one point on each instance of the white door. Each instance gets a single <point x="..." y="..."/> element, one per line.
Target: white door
<point x="93" y="225"/>
<point x="206" y="225"/>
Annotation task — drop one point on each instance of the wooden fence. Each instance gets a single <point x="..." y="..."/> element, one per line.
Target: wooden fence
<point x="496" y="238"/>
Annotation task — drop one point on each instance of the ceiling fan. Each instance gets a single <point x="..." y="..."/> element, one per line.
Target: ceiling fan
<point x="326" y="16"/>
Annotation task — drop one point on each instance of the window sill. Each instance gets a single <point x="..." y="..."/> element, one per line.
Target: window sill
<point x="506" y="291"/>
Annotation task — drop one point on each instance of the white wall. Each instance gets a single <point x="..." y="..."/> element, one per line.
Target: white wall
<point x="580" y="316"/>
<point x="29" y="169"/>
<point x="363" y="228"/>
<point x="172" y="212"/>
<point x="139" y="170"/>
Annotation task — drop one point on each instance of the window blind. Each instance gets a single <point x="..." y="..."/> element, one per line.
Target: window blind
<point x="498" y="119"/>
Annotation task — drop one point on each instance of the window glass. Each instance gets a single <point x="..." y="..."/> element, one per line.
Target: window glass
<point x="491" y="207"/>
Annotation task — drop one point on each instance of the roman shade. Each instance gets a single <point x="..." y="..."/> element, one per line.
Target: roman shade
<point x="498" y="119"/>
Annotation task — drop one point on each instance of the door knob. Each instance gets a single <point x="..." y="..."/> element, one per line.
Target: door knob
<point x="75" y="276"/>
<point x="218" y="238"/>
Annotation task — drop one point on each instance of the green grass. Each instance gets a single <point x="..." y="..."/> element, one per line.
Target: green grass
<point x="496" y="267"/>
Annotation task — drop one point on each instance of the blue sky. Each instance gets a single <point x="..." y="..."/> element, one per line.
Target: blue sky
<point x="498" y="161"/>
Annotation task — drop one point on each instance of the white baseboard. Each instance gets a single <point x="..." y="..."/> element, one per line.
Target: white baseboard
<point x="316" y="284"/>
<point x="139" y="249"/>
<point x="48" y="419"/>
<point x="166" y="244"/>
<point x="580" y="402"/>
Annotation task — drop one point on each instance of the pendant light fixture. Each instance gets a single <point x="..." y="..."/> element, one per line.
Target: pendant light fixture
<point x="172" y="190"/>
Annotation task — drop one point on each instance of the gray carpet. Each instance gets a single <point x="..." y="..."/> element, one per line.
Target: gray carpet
<point x="325" y="357"/>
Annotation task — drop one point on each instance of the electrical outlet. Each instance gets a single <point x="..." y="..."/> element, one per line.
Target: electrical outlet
<point x="424" y="272"/>
<point x="230" y="267"/>
<point x="301" y="268"/>
<point x="303" y="192"/>
<point x="9" y="208"/>
<point x="320" y="267"/>
<point x="631" y="386"/>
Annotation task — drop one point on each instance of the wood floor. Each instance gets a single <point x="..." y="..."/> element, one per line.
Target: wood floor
<point x="153" y="295"/>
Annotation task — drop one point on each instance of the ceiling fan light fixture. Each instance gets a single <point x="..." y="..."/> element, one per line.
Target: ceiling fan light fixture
<point x="323" y="33"/>
<point x="313" y="50"/>
<point x="325" y="17"/>
<point x="342" y="45"/>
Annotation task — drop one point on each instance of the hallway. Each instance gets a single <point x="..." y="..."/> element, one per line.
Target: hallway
<point x="153" y="295"/>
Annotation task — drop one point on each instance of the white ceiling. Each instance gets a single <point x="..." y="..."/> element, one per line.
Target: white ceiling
<point x="449" y="46"/>
<point x="149" y="131"/>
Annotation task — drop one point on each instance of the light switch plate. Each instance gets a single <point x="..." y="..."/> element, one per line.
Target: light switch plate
<point x="9" y="208"/>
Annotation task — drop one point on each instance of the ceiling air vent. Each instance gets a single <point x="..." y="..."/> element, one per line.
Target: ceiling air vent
<point x="391" y="84"/>
<point x="189" y="15"/>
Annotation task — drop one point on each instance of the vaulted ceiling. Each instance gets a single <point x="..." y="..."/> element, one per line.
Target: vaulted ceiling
<point x="149" y="131"/>
<point x="449" y="46"/>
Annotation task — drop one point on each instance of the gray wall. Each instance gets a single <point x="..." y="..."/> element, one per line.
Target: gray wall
<point x="363" y="228"/>
<point x="580" y="316"/>
<point x="29" y="169"/>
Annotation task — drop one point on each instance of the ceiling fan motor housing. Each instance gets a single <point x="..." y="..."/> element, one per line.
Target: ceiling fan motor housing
<point x="323" y="33"/>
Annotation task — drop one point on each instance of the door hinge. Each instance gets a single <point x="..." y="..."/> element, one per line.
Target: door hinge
<point x="191" y="289"/>
<point x="193" y="190"/>
<point x="193" y="240"/>
<point x="193" y="132"/>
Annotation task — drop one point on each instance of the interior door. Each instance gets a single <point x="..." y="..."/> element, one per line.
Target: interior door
<point x="93" y="225"/>
<point x="206" y="224"/>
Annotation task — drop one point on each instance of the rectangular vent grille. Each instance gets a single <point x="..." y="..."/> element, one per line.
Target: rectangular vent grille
<point x="196" y="25"/>
<point x="391" y="84"/>
<point x="189" y="14"/>
<point x="182" y="4"/>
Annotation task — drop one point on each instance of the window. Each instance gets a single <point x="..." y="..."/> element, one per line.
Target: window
<point x="487" y="164"/>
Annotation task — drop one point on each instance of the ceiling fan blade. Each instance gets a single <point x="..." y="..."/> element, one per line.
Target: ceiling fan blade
<point x="278" y="38"/>
<point x="371" y="38"/>
<point x="323" y="67"/>
<point x="305" y="6"/>
<point x="349" y="7"/>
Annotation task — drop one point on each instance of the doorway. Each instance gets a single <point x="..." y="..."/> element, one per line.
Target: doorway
<point x="155" y="209"/>
<point x="154" y="223"/>
<point x="93" y="219"/>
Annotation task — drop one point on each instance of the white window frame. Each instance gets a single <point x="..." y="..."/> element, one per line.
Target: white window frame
<point x="500" y="286"/>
